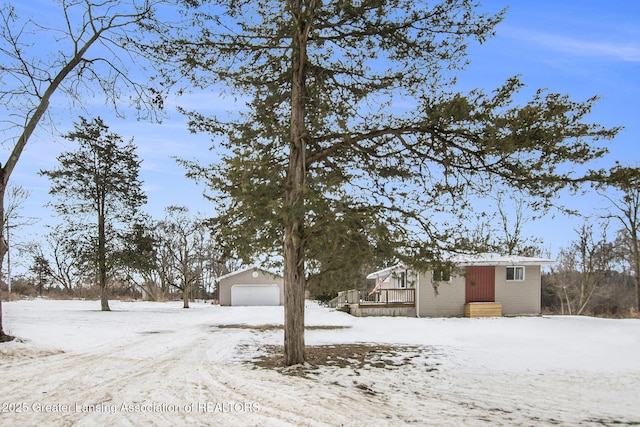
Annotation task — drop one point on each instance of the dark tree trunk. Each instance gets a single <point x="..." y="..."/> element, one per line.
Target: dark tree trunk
<point x="636" y="279"/>
<point x="102" y="265"/>
<point x="294" y="239"/>
<point x="3" y="336"/>
<point x="635" y="252"/>
<point x="185" y="295"/>
<point x="3" y="249"/>
<point x="294" y="290"/>
<point x="186" y="285"/>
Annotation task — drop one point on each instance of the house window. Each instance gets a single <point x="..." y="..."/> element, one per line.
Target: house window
<point x="401" y="280"/>
<point x="441" y="275"/>
<point x="515" y="273"/>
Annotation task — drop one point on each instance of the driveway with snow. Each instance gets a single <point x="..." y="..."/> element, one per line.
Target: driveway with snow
<point x="158" y="364"/>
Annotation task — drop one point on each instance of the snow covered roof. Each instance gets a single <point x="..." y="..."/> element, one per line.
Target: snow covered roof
<point x="497" y="259"/>
<point x="476" y="259"/>
<point x="385" y="271"/>
<point x="254" y="268"/>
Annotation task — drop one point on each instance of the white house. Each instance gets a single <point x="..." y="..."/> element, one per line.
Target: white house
<point x="479" y="285"/>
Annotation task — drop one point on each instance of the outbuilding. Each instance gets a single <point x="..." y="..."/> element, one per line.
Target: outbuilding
<point x="251" y="286"/>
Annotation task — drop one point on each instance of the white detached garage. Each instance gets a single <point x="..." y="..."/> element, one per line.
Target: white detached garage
<point x="251" y="286"/>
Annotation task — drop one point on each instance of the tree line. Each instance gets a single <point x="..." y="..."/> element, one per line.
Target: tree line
<point x="106" y="242"/>
<point x="595" y="274"/>
<point x="159" y="261"/>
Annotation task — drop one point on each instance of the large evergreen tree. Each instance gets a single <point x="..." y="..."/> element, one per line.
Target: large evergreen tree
<point x="352" y="113"/>
<point x="99" y="194"/>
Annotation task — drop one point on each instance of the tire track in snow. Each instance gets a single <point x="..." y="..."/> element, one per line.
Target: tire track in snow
<point x="178" y="373"/>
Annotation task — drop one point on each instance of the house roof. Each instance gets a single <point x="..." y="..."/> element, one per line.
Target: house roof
<point x="385" y="271"/>
<point x="485" y="259"/>
<point x="497" y="259"/>
<point x="254" y="268"/>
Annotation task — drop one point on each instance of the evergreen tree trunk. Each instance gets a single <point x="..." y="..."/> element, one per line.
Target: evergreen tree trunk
<point x="185" y="295"/>
<point x="104" y="298"/>
<point x="185" y="274"/>
<point x="102" y="264"/>
<point x="294" y="241"/>
<point x="294" y="289"/>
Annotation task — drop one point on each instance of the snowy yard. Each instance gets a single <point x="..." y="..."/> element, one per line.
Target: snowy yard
<point x="158" y="364"/>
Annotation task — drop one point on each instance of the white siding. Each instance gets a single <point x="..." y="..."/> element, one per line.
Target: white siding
<point x="447" y="301"/>
<point x="246" y="278"/>
<point x="519" y="296"/>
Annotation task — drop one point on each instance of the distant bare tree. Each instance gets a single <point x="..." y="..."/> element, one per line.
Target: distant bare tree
<point x="64" y="271"/>
<point x="14" y="220"/>
<point x="626" y="210"/>
<point x="182" y="236"/>
<point x="511" y="238"/>
<point x="500" y="228"/>
<point x="582" y="268"/>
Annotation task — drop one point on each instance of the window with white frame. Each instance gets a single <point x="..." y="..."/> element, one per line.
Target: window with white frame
<point x="515" y="273"/>
<point x="401" y="280"/>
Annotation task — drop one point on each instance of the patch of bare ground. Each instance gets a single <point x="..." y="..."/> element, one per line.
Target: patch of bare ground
<point x="20" y="350"/>
<point x="354" y="356"/>
<point x="6" y="338"/>
<point x="277" y="327"/>
<point x="344" y="365"/>
<point x="605" y="422"/>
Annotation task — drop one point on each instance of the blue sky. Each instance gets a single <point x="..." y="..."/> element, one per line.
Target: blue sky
<point x="578" y="47"/>
<point x="581" y="48"/>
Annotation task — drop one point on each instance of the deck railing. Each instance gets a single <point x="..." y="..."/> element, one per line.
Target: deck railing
<point x="351" y="296"/>
<point x="389" y="296"/>
<point x="400" y="296"/>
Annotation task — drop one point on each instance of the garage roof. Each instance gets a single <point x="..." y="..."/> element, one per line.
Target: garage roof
<point x="248" y="269"/>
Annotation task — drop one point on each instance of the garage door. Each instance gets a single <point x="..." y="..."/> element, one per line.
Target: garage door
<point x="255" y="294"/>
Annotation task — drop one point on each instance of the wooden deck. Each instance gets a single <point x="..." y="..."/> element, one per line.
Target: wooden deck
<point x="382" y="302"/>
<point x="390" y="297"/>
<point x="385" y="297"/>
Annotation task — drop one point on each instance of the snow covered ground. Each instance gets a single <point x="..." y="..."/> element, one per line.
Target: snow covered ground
<point x="158" y="364"/>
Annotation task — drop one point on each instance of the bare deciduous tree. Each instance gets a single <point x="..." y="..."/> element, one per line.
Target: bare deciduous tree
<point x="182" y="238"/>
<point x="582" y="269"/>
<point x="64" y="271"/>
<point x="626" y="210"/>
<point x="16" y="196"/>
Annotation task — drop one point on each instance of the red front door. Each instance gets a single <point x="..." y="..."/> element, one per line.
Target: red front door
<point x="480" y="284"/>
